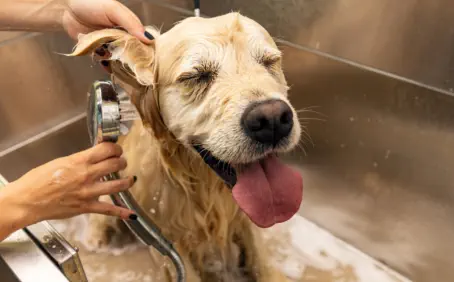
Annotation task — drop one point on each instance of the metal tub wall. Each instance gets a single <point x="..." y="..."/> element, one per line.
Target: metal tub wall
<point x="377" y="170"/>
<point x="412" y="38"/>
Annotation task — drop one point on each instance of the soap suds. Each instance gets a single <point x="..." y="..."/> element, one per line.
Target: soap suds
<point x="58" y="176"/>
<point x="302" y="250"/>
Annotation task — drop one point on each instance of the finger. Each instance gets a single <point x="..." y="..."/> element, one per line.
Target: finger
<point x="103" y="151"/>
<point x="111" y="187"/>
<point x="120" y="15"/>
<point x="105" y="167"/>
<point x="110" y="209"/>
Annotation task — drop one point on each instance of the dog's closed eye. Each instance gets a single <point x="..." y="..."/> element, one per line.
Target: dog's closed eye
<point x="204" y="73"/>
<point x="196" y="76"/>
<point x="269" y="60"/>
<point x="199" y="79"/>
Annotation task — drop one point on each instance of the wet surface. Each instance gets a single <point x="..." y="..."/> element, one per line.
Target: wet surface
<point x="128" y="267"/>
<point x="303" y="251"/>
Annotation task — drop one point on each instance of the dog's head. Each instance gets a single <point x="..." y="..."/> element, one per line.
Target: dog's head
<point x="217" y="86"/>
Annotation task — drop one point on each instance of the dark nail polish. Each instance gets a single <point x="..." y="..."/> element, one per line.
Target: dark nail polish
<point x="105" y="63"/>
<point x="133" y="216"/>
<point x="101" y="52"/>
<point x="135" y="178"/>
<point x="148" y="35"/>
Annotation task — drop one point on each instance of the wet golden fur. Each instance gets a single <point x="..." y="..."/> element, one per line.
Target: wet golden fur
<point x="184" y="197"/>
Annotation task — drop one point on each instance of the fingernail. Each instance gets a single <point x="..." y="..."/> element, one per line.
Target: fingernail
<point x="133" y="216"/>
<point x="134" y="178"/>
<point x="101" y="52"/>
<point x="105" y="63"/>
<point x="148" y="35"/>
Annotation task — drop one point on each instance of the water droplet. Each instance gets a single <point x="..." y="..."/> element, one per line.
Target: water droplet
<point x="388" y="152"/>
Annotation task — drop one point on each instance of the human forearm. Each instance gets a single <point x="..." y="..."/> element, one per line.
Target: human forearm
<point x="64" y="188"/>
<point x="13" y="216"/>
<point x="31" y="15"/>
<point x="73" y="16"/>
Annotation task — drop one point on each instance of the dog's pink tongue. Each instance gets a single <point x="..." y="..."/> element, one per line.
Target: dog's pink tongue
<point x="269" y="193"/>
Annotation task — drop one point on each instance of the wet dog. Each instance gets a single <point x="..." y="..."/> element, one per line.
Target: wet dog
<point x="215" y="114"/>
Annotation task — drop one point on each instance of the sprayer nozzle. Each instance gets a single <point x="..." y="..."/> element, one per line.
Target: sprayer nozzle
<point x="111" y="112"/>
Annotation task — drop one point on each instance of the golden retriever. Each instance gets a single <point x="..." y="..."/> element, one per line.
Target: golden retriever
<point x="212" y="97"/>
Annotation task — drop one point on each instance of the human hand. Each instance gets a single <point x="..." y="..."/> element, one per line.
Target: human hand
<point x="70" y="186"/>
<point x="83" y="16"/>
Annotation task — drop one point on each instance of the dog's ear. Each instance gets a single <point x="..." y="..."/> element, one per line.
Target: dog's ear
<point x="128" y="55"/>
<point x="133" y="66"/>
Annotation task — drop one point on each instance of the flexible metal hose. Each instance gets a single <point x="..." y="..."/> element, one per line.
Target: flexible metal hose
<point x="146" y="230"/>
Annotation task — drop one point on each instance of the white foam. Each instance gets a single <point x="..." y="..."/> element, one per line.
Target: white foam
<point x="58" y="176"/>
<point x="95" y="272"/>
<point x="76" y="229"/>
<point x="300" y="248"/>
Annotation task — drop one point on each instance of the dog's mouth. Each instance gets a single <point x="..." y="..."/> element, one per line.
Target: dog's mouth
<point x="268" y="190"/>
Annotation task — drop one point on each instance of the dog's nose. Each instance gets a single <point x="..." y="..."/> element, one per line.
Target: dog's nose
<point x="268" y="122"/>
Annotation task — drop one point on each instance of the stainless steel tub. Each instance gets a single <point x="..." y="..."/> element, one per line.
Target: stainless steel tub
<point x="380" y="73"/>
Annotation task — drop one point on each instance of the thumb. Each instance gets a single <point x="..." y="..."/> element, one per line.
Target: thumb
<point x="121" y="16"/>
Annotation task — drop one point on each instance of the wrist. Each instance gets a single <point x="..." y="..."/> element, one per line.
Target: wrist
<point x="15" y="215"/>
